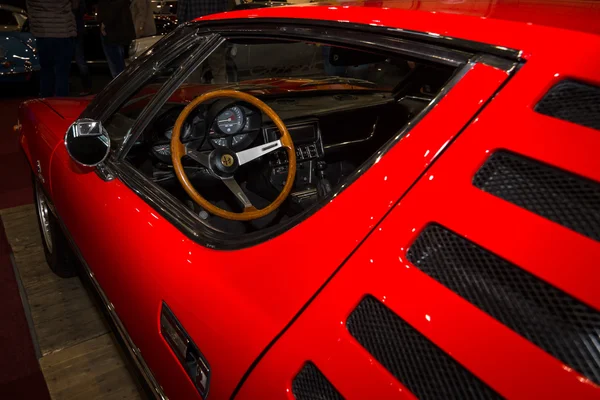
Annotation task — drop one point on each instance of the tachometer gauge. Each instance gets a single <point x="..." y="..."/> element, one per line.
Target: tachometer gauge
<point x="231" y="121"/>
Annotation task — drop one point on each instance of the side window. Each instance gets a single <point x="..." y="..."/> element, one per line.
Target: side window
<point x="120" y="122"/>
<point x="340" y="104"/>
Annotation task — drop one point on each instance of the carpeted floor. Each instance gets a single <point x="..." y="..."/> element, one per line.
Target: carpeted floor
<point x="20" y="373"/>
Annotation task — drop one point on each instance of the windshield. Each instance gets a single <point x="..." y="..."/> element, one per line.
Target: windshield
<point x="310" y="65"/>
<point x="284" y="70"/>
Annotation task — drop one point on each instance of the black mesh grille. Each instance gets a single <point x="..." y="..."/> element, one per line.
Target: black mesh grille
<point x="557" y="195"/>
<point x="564" y="327"/>
<point x="425" y="369"/>
<point x="572" y="101"/>
<point x="311" y="384"/>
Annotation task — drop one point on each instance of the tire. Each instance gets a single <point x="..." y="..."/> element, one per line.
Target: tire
<point x="59" y="255"/>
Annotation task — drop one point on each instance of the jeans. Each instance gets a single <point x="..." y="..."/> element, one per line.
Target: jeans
<point x="115" y="56"/>
<point x="55" y="55"/>
<point x="84" y="70"/>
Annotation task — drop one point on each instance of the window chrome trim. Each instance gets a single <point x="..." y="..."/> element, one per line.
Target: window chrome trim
<point x="132" y="349"/>
<point x="338" y="33"/>
<point x="104" y="172"/>
<point x="286" y="25"/>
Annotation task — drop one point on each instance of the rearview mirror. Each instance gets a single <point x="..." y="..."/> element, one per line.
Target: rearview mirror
<point x="87" y="142"/>
<point x="341" y="57"/>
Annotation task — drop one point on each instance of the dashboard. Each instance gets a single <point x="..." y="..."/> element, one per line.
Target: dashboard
<point x="332" y="134"/>
<point x="236" y="127"/>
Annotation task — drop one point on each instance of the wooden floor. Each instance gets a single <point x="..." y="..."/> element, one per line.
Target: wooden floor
<point x="78" y="354"/>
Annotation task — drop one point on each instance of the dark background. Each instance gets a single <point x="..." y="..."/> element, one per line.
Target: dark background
<point x="16" y="3"/>
<point x="21" y="3"/>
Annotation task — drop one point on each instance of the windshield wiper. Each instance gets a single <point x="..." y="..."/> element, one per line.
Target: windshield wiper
<point x="338" y="79"/>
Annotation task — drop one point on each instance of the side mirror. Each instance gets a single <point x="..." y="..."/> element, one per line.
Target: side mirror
<point x="87" y="142"/>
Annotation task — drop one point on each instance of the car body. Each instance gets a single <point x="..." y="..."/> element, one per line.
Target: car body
<point x="18" y="56"/>
<point x="449" y="249"/>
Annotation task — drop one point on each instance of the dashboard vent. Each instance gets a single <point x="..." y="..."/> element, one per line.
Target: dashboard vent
<point x="562" y="197"/>
<point x="574" y="102"/>
<point x="311" y="384"/>
<point x="425" y="369"/>
<point x="546" y="316"/>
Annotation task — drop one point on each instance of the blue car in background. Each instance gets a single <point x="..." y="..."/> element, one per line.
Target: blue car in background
<point x="18" y="55"/>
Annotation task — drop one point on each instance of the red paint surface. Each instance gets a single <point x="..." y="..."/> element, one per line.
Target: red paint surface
<point x="518" y="23"/>
<point x="233" y="303"/>
<point x="238" y="288"/>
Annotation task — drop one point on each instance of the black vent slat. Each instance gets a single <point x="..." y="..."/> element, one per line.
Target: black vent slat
<point x="572" y="101"/>
<point x="560" y="196"/>
<point x="425" y="369"/>
<point x="556" y="322"/>
<point x="311" y="384"/>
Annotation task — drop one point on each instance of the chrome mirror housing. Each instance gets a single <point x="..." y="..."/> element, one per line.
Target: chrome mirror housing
<point x="87" y="142"/>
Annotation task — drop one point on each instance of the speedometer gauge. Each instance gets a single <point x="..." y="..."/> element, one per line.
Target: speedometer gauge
<point x="231" y="121"/>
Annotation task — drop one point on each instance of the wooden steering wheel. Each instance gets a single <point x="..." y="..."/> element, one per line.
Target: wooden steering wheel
<point x="223" y="162"/>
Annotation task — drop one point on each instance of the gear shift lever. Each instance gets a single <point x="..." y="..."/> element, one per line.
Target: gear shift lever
<point x="323" y="184"/>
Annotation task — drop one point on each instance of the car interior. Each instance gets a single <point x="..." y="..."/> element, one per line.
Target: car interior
<point x="340" y="105"/>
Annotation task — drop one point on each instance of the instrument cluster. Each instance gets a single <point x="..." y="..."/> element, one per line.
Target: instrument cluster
<point x="235" y="127"/>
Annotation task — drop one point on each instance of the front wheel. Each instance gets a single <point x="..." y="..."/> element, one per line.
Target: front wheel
<point x="58" y="254"/>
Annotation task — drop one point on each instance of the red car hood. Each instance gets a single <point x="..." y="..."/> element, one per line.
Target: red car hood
<point x="256" y="87"/>
<point x="68" y="108"/>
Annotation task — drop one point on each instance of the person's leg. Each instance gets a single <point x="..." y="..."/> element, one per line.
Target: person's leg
<point x="64" y="55"/>
<point x="45" y="55"/>
<point x="119" y="58"/>
<point x="84" y="71"/>
<point x="108" y="52"/>
<point x="115" y="56"/>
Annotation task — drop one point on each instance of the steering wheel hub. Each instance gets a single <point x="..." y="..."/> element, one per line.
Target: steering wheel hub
<point x="223" y="163"/>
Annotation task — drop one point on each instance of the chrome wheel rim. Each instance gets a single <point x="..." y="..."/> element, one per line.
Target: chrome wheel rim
<point x="44" y="214"/>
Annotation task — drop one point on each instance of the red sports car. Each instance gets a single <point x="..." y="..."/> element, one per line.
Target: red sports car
<point x="363" y="201"/>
